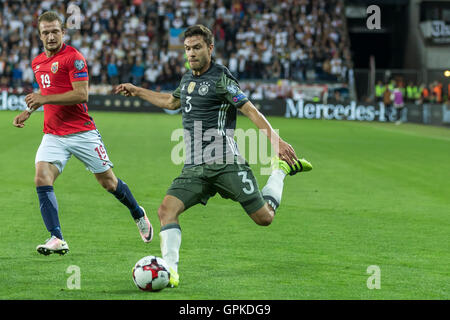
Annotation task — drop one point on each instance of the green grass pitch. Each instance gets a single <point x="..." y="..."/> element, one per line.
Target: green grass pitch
<point x="379" y="194"/>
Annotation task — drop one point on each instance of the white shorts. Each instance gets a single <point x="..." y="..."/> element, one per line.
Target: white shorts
<point x="86" y="146"/>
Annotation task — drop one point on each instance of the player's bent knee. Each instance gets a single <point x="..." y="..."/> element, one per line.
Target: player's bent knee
<point x="107" y="180"/>
<point x="265" y="221"/>
<point x="262" y="218"/>
<point x="46" y="174"/>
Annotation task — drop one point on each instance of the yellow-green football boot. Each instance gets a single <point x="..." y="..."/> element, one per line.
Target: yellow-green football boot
<point x="174" y="278"/>
<point x="301" y="165"/>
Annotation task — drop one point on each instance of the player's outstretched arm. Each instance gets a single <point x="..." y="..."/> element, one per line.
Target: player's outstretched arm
<point x="282" y="148"/>
<point x="159" y="99"/>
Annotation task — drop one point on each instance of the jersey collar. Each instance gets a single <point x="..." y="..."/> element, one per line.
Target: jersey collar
<point x="63" y="47"/>
<point x="211" y="64"/>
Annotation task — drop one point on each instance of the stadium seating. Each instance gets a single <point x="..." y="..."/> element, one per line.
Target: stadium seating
<point x="133" y="41"/>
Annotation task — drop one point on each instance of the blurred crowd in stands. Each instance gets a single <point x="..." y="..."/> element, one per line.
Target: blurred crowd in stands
<point x="397" y="92"/>
<point x="129" y="41"/>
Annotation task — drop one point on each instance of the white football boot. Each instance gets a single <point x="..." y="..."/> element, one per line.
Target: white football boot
<point x="145" y="227"/>
<point x="53" y="245"/>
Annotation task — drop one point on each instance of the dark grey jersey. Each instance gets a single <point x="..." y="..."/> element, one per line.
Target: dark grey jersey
<point x="209" y="104"/>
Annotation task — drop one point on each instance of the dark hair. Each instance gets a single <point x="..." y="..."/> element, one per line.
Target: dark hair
<point x="50" y="16"/>
<point x="200" y="30"/>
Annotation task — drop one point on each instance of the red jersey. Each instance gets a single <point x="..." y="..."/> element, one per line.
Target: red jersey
<point x="55" y="76"/>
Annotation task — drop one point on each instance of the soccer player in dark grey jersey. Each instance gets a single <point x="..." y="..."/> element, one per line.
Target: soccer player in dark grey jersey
<point x="210" y="97"/>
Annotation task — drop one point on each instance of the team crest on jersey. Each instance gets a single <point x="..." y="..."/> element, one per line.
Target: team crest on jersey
<point x="79" y="64"/>
<point x="54" y="67"/>
<point x="191" y="87"/>
<point x="204" y="88"/>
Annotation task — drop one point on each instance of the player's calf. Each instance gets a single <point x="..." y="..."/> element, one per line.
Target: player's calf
<point x="107" y="180"/>
<point x="124" y="195"/>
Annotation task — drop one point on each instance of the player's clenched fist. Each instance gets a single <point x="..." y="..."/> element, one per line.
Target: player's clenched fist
<point x="20" y="119"/>
<point x="126" y="89"/>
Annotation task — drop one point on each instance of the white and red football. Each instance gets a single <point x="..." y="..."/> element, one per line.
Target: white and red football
<point x="151" y="274"/>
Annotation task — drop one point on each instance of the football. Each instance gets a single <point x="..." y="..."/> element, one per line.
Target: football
<point x="151" y="274"/>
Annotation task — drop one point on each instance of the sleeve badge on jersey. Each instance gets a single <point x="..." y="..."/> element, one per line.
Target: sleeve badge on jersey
<point x="54" y="67"/>
<point x="239" y="97"/>
<point x="232" y="89"/>
<point x="79" y="64"/>
<point x="80" y="75"/>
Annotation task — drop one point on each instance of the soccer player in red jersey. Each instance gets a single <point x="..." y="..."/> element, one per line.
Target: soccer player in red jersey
<point x="62" y="74"/>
